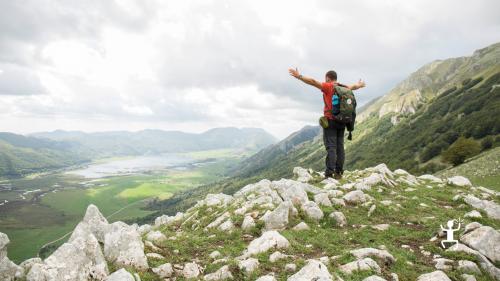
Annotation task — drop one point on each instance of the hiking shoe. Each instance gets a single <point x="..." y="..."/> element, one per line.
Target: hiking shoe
<point x="337" y="176"/>
<point x="328" y="175"/>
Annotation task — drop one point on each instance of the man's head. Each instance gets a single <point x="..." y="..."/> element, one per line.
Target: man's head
<point x="331" y="76"/>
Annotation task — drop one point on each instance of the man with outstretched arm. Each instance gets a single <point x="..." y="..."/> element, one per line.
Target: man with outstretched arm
<point x="333" y="134"/>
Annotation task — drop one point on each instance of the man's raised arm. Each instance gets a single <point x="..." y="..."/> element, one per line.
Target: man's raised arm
<point x="308" y="80"/>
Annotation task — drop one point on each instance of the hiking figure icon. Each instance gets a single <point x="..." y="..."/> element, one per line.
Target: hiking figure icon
<point x="449" y="232"/>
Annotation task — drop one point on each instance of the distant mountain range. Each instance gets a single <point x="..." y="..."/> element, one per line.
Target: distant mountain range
<point x="48" y="150"/>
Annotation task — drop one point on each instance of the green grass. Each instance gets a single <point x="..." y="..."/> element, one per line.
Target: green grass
<point x="411" y="224"/>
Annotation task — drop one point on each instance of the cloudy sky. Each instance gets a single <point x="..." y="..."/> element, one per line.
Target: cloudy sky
<point x="97" y="65"/>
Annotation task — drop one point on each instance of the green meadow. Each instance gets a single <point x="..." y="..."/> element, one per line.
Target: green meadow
<point x="32" y="223"/>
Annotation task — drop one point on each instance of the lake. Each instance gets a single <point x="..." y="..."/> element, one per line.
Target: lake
<point x="133" y="165"/>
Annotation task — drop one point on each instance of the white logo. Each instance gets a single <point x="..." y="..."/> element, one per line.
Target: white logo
<point x="349" y="101"/>
<point x="450" y="231"/>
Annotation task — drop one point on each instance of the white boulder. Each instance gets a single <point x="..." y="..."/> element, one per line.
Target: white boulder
<point x="313" y="270"/>
<point x="459" y="181"/>
<point x="437" y="275"/>
<point x="268" y="240"/>
<point x="123" y="246"/>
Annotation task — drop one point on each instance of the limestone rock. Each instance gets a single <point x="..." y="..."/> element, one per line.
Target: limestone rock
<point x="473" y="214"/>
<point x="249" y="265"/>
<point x="468" y="267"/>
<point x="167" y="220"/>
<point x="143" y="229"/>
<point x="322" y="199"/>
<point x="276" y="256"/>
<point x="123" y="246"/>
<point x="360" y="265"/>
<point x="266" y="278"/>
<point x="215" y="254"/>
<point x="431" y="178"/>
<point x="372" y="252"/>
<point x="486" y="240"/>
<point x="68" y="262"/>
<point x="471" y="226"/>
<point x="191" y="270"/>
<point x="459" y="181"/>
<point x="290" y="267"/>
<point x="484" y="262"/>
<point x="355" y="197"/>
<point x="434" y="276"/>
<point x="226" y="226"/>
<point x="313" y="270"/>
<point x="27" y="264"/>
<point x="339" y="218"/>
<point x="156" y="237"/>
<point x="302" y="174"/>
<point x="278" y="218"/>
<point x="96" y="222"/>
<point x="4" y="241"/>
<point x="164" y="271"/>
<point x="120" y="275"/>
<point x="291" y="190"/>
<point x="301" y="226"/>
<point x="491" y="208"/>
<point x="9" y="270"/>
<point x="374" y="278"/>
<point x="220" y="199"/>
<point x="218" y="220"/>
<point x="248" y="223"/>
<point x="312" y="210"/>
<point x="268" y="240"/>
<point x="468" y="277"/>
<point x="222" y="274"/>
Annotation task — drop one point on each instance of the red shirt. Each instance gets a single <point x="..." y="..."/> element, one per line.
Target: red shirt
<point x="328" y="91"/>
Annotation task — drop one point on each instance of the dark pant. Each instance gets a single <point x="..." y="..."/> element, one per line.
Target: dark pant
<point x="333" y="138"/>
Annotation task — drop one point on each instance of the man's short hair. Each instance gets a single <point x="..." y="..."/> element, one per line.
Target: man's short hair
<point x="332" y="75"/>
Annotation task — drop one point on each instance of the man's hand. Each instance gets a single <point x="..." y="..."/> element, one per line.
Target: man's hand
<point x="361" y="84"/>
<point x="308" y="80"/>
<point x="358" y="85"/>
<point x="294" y="72"/>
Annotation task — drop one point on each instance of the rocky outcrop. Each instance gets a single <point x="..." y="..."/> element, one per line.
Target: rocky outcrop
<point x="485" y="240"/>
<point x="123" y="246"/>
<point x="8" y="270"/>
<point x="491" y="208"/>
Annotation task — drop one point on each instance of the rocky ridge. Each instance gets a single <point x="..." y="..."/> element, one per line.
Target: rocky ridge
<point x="375" y="224"/>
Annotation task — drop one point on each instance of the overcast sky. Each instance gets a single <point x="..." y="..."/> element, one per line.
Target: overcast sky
<point x="97" y="65"/>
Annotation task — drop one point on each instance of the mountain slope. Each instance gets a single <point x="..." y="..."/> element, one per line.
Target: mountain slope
<point x="375" y="224"/>
<point x="433" y="79"/>
<point x="21" y="155"/>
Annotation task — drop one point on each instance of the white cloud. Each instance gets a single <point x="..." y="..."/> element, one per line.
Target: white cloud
<point x="193" y="65"/>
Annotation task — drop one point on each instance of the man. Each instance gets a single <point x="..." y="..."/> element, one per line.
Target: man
<point x="333" y="135"/>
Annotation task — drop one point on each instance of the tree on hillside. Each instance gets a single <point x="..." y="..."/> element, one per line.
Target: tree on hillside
<point x="460" y="150"/>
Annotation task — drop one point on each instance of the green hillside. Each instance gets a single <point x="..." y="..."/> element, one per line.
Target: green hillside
<point x="20" y="155"/>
